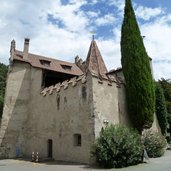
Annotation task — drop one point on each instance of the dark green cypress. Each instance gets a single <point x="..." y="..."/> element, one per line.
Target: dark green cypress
<point x="161" y="110"/>
<point x="3" y="76"/>
<point x="137" y="72"/>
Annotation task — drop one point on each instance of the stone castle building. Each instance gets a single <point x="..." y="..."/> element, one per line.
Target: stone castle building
<point x="58" y="108"/>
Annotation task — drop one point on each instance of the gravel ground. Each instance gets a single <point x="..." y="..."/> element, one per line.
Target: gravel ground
<point x="158" y="164"/>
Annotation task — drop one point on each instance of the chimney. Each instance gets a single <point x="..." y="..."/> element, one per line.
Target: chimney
<point x="76" y="59"/>
<point x="26" y="48"/>
<point x="12" y="50"/>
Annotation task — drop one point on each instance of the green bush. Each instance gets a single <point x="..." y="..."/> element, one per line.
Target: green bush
<point x="154" y="143"/>
<point x="118" y="147"/>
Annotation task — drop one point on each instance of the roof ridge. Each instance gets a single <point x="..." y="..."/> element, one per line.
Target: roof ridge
<point x="53" y="65"/>
<point x="48" y="58"/>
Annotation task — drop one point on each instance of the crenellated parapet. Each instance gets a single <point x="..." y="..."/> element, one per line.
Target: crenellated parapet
<point x="83" y="79"/>
<point x="56" y="88"/>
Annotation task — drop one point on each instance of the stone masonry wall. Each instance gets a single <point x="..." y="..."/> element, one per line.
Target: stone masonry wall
<point x="31" y="117"/>
<point x="105" y="104"/>
<point x="58" y="116"/>
<point x="15" y="110"/>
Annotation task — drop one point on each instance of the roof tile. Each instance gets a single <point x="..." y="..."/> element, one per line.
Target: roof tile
<point x="49" y="63"/>
<point x="94" y="61"/>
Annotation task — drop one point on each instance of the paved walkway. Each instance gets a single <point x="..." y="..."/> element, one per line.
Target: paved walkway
<point x="158" y="164"/>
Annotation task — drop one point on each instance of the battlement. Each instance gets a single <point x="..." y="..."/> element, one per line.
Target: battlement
<point x="83" y="79"/>
<point x="64" y="84"/>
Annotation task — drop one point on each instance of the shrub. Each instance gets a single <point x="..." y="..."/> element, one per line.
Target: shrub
<point x="118" y="147"/>
<point x="154" y="143"/>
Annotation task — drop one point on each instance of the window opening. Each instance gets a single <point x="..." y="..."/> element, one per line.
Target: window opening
<point x="45" y="62"/>
<point x="50" y="147"/>
<point x="50" y="78"/>
<point x="66" y="67"/>
<point x="77" y="140"/>
<point x="84" y="92"/>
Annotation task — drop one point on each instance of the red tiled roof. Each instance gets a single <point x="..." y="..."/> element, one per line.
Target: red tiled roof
<point x="54" y="64"/>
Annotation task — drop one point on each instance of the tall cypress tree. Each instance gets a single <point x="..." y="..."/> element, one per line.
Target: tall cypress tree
<point x="161" y="110"/>
<point x="137" y="72"/>
<point x="3" y="75"/>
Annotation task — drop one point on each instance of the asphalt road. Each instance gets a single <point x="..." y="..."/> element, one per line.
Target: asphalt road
<point x="158" y="164"/>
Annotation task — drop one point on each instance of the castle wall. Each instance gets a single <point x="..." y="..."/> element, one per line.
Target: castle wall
<point x="30" y="119"/>
<point x="58" y="117"/>
<point x="105" y="104"/>
<point x="124" y="119"/>
<point x="110" y="105"/>
<point x="15" y="109"/>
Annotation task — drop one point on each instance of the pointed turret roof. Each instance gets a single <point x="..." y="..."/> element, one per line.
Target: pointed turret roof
<point x="94" y="61"/>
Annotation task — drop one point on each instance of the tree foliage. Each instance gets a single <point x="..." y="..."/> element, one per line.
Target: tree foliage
<point x="166" y="85"/>
<point x="118" y="146"/>
<point x="161" y="110"/>
<point x="3" y="76"/>
<point x="137" y="72"/>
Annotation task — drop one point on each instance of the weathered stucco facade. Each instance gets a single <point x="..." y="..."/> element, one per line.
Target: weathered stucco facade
<point x="59" y="111"/>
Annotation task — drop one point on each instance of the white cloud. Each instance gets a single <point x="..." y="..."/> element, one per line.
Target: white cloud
<point x="20" y="19"/>
<point x="146" y="13"/>
<point x="119" y="4"/>
<point x="157" y="32"/>
<point x="71" y="16"/>
<point x="93" y="14"/>
<point x="29" y="19"/>
<point x="164" y="19"/>
<point x="60" y="43"/>
<point x="107" y="19"/>
<point x="161" y="70"/>
<point x="93" y="2"/>
<point x="110" y="50"/>
<point x="158" y="36"/>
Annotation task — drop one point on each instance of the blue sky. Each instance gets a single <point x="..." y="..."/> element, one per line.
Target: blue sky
<point x="63" y="29"/>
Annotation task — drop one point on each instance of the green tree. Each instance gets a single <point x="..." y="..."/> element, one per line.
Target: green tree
<point x="137" y="72"/>
<point x="166" y="85"/>
<point x="3" y="76"/>
<point x="161" y="110"/>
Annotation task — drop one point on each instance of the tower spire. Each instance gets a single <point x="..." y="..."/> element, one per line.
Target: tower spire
<point x="94" y="61"/>
<point x="93" y="37"/>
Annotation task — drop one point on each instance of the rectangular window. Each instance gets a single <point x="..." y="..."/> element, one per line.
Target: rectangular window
<point x="77" y="139"/>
